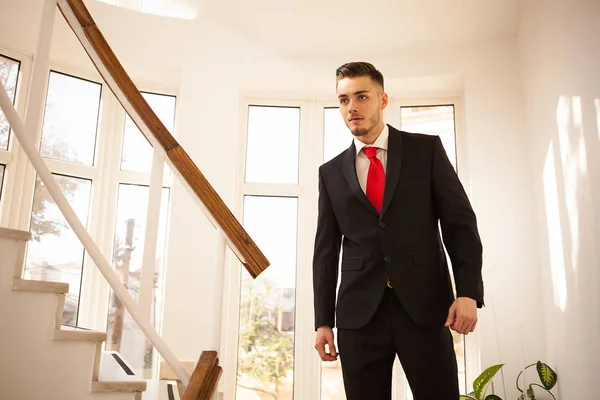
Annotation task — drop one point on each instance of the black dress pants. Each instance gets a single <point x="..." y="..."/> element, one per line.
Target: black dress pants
<point x="425" y="353"/>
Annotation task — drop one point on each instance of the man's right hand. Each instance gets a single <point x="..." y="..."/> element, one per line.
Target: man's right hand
<point x="325" y="337"/>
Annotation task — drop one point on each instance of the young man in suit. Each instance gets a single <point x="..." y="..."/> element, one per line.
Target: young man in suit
<point x="381" y="201"/>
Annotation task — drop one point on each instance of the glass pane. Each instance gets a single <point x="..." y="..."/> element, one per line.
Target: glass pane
<point x="71" y="119"/>
<point x="9" y="74"/>
<point x="432" y="120"/>
<point x="2" y="167"/>
<point x="336" y="135"/>
<point x="124" y="335"/>
<point x="273" y="137"/>
<point x="268" y="303"/>
<point x="137" y="152"/>
<point x="55" y="253"/>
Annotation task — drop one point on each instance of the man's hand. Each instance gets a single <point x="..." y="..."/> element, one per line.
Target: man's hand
<point x="462" y="316"/>
<point x="325" y="337"/>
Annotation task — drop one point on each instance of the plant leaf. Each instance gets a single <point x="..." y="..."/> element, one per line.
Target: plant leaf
<point x="464" y="397"/>
<point x="481" y="383"/>
<point x="492" y="397"/>
<point x="547" y="376"/>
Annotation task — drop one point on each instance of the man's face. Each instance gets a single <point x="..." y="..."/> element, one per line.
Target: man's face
<point x="362" y="102"/>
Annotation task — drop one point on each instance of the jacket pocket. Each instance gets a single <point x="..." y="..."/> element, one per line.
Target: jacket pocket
<point x="405" y="184"/>
<point x="352" y="264"/>
<point x="426" y="257"/>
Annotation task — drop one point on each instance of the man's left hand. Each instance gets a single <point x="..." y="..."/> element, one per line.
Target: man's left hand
<point x="462" y="316"/>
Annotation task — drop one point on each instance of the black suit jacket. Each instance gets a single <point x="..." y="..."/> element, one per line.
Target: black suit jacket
<point x="403" y="243"/>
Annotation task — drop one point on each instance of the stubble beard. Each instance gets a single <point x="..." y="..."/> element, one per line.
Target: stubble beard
<point x="358" y="132"/>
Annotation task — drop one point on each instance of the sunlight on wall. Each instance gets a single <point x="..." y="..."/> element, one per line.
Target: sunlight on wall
<point x="555" y="239"/>
<point x="574" y="164"/>
<point x="597" y="103"/>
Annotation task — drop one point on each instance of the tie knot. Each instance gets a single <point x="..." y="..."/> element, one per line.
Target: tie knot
<point x="370" y="151"/>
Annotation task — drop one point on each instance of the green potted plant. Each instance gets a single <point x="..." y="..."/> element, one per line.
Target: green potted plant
<point x="547" y="376"/>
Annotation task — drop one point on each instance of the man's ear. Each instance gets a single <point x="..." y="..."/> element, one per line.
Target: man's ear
<point x="384" y="100"/>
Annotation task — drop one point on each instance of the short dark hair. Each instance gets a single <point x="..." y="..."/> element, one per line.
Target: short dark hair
<point x="358" y="69"/>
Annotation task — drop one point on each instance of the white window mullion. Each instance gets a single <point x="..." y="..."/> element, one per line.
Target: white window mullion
<point x="35" y="107"/>
<point x="141" y="178"/>
<point x="232" y="277"/>
<point x="14" y="174"/>
<point x="150" y="241"/>
<point x="307" y="363"/>
<point x="95" y="288"/>
<point x="64" y="168"/>
<point x="258" y="189"/>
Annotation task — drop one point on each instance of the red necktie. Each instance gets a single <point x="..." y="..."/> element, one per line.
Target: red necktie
<point x="375" y="178"/>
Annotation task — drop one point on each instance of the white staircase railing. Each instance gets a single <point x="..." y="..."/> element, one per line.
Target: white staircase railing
<point x="166" y="149"/>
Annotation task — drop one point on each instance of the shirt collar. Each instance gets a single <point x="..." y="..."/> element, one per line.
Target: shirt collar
<point x="381" y="141"/>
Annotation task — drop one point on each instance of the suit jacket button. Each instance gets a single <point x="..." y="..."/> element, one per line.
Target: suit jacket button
<point x="387" y="258"/>
<point x="382" y="224"/>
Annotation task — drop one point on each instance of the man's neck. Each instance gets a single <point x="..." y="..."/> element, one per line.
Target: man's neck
<point x="372" y="136"/>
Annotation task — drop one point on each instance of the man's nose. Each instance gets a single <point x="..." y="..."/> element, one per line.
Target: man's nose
<point x="351" y="106"/>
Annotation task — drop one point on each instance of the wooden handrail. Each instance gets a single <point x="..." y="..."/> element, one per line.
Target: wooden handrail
<point x="152" y="128"/>
<point x="204" y="379"/>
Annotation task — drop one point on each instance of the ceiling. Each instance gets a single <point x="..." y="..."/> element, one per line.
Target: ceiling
<point x="331" y="27"/>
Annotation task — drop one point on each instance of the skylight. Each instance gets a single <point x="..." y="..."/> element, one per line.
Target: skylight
<point x="183" y="9"/>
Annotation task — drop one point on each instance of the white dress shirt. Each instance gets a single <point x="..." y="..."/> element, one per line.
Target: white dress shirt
<point x="362" y="161"/>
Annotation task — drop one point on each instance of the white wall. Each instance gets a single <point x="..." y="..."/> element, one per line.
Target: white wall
<point x="212" y="66"/>
<point x="497" y="174"/>
<point x="561" y="79"/>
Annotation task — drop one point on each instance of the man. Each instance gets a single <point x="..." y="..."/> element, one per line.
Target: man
<point x="381" y="200"/>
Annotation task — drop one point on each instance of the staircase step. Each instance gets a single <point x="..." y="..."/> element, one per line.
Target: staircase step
<point x="116" y="375"/>
<point x="161" y="390"/>
<point x="14" y="234"/>
<point x="73" y="333"/>
<point x="27" y="285"/>
<point x="118" y="386"/>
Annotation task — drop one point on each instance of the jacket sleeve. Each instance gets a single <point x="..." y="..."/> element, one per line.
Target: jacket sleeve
<point x="459" y="226"/>
<point x="325" y="259"/>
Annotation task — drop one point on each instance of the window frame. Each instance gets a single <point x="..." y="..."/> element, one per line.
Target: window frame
<point x="105" y="175"/>
<point x="307" y="369"/>
<point x="14" y="159"/>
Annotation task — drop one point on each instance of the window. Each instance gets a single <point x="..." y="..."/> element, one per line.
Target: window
<point x="336" y="135"/>
<point x="433" y="120"/>
<point x="266" y="337"/>
<point x="165" y="8"/>
<point x="124" y="335"/>
<point x="68" y="143"/>
<point x="71" y="119"/>
<point x="272" y="145"/>
<point x="131" y="218"/>
<point x="280" y="191"/>
<point x="137" y="152"/>
<point x="9" y="74"/>
<point x="109" y="196"/>
<point x="55" y="253"/>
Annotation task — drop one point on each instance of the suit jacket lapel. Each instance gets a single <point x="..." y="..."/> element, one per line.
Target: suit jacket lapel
<point x="394" y="166"/>
<point x="350" y="174"/>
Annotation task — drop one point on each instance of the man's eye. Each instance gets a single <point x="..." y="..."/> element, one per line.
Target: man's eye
<point x="362" y="97"/>
<point x="343" y="101"/>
